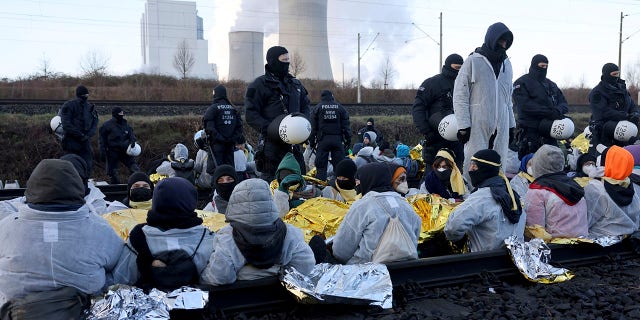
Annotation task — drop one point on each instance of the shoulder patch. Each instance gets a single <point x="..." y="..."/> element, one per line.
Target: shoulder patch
<point x="421" y="89"/>
<point x="516" y="86"/>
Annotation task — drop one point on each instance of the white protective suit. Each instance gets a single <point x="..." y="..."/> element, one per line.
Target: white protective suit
<point x="606" y="218"/>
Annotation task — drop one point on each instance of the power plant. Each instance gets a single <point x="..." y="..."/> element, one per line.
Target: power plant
<point x="246" y="60"/>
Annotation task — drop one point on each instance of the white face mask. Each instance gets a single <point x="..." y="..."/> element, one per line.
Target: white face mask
<point x="403" y="188"/>
<point x="589" y="170"/>
<point x="530" y="171"/>
<point x="441" y="169"/>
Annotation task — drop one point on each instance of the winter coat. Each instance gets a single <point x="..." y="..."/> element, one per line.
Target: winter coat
<point x="330" y="118"/>
<point x="268" y="97"/>
<point x="43" y="251"/>
<point x="520" y="184"/>
<point x="482" y="219"/>
<point x="359" y="233"/>
<point x="223" y="123"/>
<point x="535" y="100"/>
<point x="251" y="204"/>
<point x="434" y="97"/>
<point x="79" y="120"/>
<point x="172" y="239"/>
<point x="365" y="155"/>
<point x="611" y="103"/>
<point x="203" y="179"/>
<point x="606" y="218"/>
<point x="116" y="136"/>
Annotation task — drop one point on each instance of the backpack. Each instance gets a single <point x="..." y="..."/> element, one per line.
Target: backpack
<point x="180" y="270"/>
<point x="368" y="159"/>
<point x="411" y="166"/>
<point x="395" y="243"/>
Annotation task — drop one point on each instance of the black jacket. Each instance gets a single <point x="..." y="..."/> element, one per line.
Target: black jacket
<point x="79" y="119"/>
<point x="535" y="100"/>
<point x="609" y="103"/>
<point x="268" y="97"/>
<point x="330" y="118"/>
<point x="223" y="123"/>
<point x="433" y="99"/>
<point x="114" y="135"/>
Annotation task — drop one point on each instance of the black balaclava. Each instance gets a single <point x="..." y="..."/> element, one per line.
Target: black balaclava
<point x="274" y="65"/>
<point x="224" y="190"/>
<point x="535" y="71"/>
<point x="220" y="93"/>
<point x="449" y="72"/>
<point x="173" y="205"/>
<point x="81" y="167"/>
<point x="139" y="195"/>
<point x="115" y="112"/>
<point x="488" y="162"/>
<point x="82" y="92"/>
<point x="326" y="95"/>
<point x="370" y="127"/>
<point x="374" y="177"/>
<point x="606" y="73"/>
<point x="346" y="168"/>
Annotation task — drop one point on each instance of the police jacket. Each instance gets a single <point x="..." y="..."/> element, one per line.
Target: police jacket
<point x="330" y="118"/>
<point x="268" y="97"/>
<point x="535" y="100"/>
<point x="116" y="135"/>
<point x="222" y="122"/>
<point x="79" y="119"/>
<point x="609" y="102"/>
<point x="433" y="99"/>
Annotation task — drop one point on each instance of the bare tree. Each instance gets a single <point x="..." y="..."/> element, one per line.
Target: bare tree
<point x="94" y="64"/>
<point x="388" y="73"/>
<point x="297" y="65"/>
<point x="44" y="69"/>
<point x="183" y="60"/>
<point x="632" y="74"/>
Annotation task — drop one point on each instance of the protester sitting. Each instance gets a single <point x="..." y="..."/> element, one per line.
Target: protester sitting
<point x="342" y="188"/>
<point x="256" y="243"/>
<point x="178" y="164"/>
<point x="140" y="191"/>
<point x="54" y="250"/>
<point x="492" y="212"/>
<point x="224" y="180"/>
<point x="173" y="231"/>
<point x="360" y="237"/>
<point x="398" y="178"/>
<point x="290" y="181"/>
<point x="521" y="181"/>
<point x="634" y="149"/>
<point x="364" y="156"/>
<point x="445" y="179"/>
<point x="613" y="202"/>
<point x="555" y="205"/>
<point x="203" y="179"/>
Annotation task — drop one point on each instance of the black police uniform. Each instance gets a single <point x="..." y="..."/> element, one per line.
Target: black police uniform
<point x="80" y="121"/>
<point x="330" y="132"/>
<point x="223" y="126"/>
<point x="115" y="137"/>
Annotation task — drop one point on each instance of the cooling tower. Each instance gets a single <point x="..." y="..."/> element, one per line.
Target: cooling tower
<point x="303" y="31"/>
<point x="245" y="55"/>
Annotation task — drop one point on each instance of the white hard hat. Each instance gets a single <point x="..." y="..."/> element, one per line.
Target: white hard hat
<point x="56" y="126"/>
<point x="294" y="129"/>
<point x="587" y="132"/>
<point x="448" y="127"/>
<point x="135" y="151"/>
<point x="625" y="130"/>
<point x="200" y="140"/>
<point x="562" y="129"/>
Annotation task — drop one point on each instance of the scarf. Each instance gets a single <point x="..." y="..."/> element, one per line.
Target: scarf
<point x="503" y="194"/>
<point x="261" y="246"/>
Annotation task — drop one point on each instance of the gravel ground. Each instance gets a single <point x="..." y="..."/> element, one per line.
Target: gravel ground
<point x="604" y="291"/>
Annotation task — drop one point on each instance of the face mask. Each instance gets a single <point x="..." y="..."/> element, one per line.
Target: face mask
<point x="140" y="194"/>
<point x="443" y="175"/>
<point x="119" y="117"/>
<point x="346" y="184"/>
<point x="279" y="68"/>
<point x="224" y="189"/>
<point x="476" y="177"/>
<point x="370" y="127"/>
<point x="403" y="188"/>
<point x="530" y="171"/>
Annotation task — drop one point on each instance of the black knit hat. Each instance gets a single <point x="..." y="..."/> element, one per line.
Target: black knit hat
<point x="115" y="111"/>
<point x="81" y="91"/>
<point x="220" y="92"/>
<point x="346" y="168"/>
<point x="138" y="176"/>
<point x="488" y="161"/>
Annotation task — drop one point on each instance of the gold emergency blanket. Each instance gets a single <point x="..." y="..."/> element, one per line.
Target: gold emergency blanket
<point x="122" y="221"/>
<point x="434" y="212"/>
<point x="317" y="216"/>
<point x="581" y="143"/>
<point x="416" y="154"/>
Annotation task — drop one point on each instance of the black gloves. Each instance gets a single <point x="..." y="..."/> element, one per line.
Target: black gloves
<point x="512" y="134"/>
<point x="634" y="118"/>
<point x="133" y="144"/>
<point x="432" y="137"/>
<point x="463" y="135"/>
<point x="556" y="114"/>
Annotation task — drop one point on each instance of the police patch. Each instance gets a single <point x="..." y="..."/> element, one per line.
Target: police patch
<point x="516" y="86"/>
<point x="421" y="89"/>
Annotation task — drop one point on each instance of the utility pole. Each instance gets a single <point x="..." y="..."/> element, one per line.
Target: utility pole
<point x="620" y="44"/>
<point x="440" y="44"/>
<point x="430" y="37"/>
<point x="343" y="75"/>
<point x="360" y="58"/>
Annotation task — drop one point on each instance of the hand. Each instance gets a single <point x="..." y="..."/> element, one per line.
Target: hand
<point x="463" y="135"/>
<point x="556" y="114"/>
<point x="290" y="181"/>
<point x="512" y="134"/>
<point x="133" y="144"/>
<point x="347" y="142"/>
<point x="431" y="137"/>
<point x="634" y="118"/>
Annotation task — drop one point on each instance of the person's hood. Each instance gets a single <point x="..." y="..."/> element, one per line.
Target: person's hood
<point x="566" y="188"/>
<point x="251" y="203"/>
<point x="495" y="32"/>
<point x="371" y="135"/>
<point x="81" y="167"/>
<point x="618" y="163"/>
<point x="456" y="180"/>
<point x="582" y="159"/>
<point x="634" y="149"/>
<point x="524" y="161"/>
<point x="374" y="177"/>
<point x="290" y="163"/>
<point x="548" y="159"/>
<point x="55" y="181"/>
<point x="366" y="151"/>
<point x="346" y="168"/>
<point x="402" y="151"/>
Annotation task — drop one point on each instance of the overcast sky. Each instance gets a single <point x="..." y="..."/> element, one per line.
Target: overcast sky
<point x="578" y="37"/>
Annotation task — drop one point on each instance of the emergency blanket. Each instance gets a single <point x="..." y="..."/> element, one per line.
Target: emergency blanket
<point x="317" y="216"/>
<point x="581" y="143"/>
<point x="532" y="260"/>
<point x="124" y="302"/>
<point x="357" y="284"/>
<point x="434" y="212"/>
<point x="122" y="221"/>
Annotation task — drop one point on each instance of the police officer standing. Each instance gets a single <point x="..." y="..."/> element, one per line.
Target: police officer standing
<point x="115" y="137"/>
<point x="223" y="126"/>
<point x="536" y="98"/>
<point x="330" y="132"/>
<point x="276" y="93"/>
<point x="434" y="101"/>
<point x="79" y="121"/>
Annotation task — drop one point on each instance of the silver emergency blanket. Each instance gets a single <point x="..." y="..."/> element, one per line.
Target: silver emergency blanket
<point x="609" y="240"/>
<point x="532" y="259"/>
<point x="124" y="302"/>
<point x="358" y="284"/>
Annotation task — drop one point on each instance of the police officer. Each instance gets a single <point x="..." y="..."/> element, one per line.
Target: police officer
<point x="115" y="137"/>
<point x="223" y="126"/>
<point x="80" y="121"/>
<point x="536" y="98"/>
<point x="274" y="94"/>
<point x="610" y="102"/>
<point x="330" y="132"/>
<point x="434" y="101"/>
